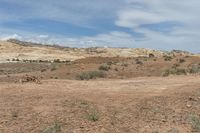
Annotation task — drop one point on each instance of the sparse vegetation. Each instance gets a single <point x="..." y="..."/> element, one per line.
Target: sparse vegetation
<point x="175" y="66"/>
<point x="53" y="68"/>
<point x="175" y="71"/>
<point x="151" y="55"/>
<point x="93" y="116"/>
<point x="137" y="61"/>
<point x="167" y="58"/>
<point x="181" y="60"/>
<point x="116" y="69"/>
<point x="15" y="59"/>
<point x="55" y="128"/>
<point x="104" y="68"/>
<point x="56" y="61"/>
<point x="109" y="63"/>
<point x="43" y="70"/>
<point x="90" y="75"/>
<point x="195" y="121"/>
<point x="195" y="69"/>
<point x="14" y="114"/>
<point x="133" y="98"/>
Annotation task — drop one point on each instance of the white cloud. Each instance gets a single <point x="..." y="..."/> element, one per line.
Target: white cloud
<point x="184" y="12"/>
<point x="43" y="36"/>
<point x="112" y="39"/>
<point x="131" y="14"/>
<point x="156" y="11"/>
<point x="13" y="36"/>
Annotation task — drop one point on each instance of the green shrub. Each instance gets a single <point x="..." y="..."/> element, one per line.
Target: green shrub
<point x="43" y="70"/>
<point x="93" y="115"/>
<point x="167" y="58"/>
<point x="53" y="69"/>
<point x="104" y="68"/>
<point x="195" y="121"/>
<point x="55" y="128"/>
<point x="195" y="69"/>
<point x="15" y="114"/>
<point x="137" y="61"/>
<point x="111" y="63"/>
<point x="116" y="69"/>
<point x="15" y="59"/>
<point x="175" y="66"/>
<point x="175" y="71"/>
<point x="124" y="64"/>
<point x="181" y="60"/>
<point x="151" y="55"/>
<point x="57" y="61"/>
<point x="90" y="75"/>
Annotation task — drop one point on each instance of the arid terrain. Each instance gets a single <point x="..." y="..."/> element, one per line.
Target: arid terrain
<point x="53" y="89"/>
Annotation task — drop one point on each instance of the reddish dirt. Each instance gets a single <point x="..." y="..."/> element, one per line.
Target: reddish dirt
<point x="120" y="68"/>
<point x="139" y="105"/>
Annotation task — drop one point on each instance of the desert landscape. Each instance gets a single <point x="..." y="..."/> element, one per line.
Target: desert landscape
<point x="55" y="89"/>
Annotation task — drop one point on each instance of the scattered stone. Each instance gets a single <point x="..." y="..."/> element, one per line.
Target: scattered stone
<point x="192" y="99"/>
<point x="189" y="105"/>
<point x="164" y="120"/>
<point x="29" y="78"/>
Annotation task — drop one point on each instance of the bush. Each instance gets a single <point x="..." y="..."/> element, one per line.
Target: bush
<point x="181" y="60"/>
<point x="167" y="58"/>
<point x="125" y="65"/>
<point x="55" y="128"/>
<point x="104" y="68"/>
<point x="137" y="61"/>
<point x="175" y="71"/>
<point x="90" y="75"/>
<point x="175" y="66"/>
<point x="151" y="55"/>
<point x="93" y="117"/>
<point x="53" y="69"/>
<point x="43" y="70"/>
<point x="195" y="69"/>
<point x="57" y="61"/>
<point x="195" y="121"/>
<point x="15" y="59"/>
<point x="111" y="63"/>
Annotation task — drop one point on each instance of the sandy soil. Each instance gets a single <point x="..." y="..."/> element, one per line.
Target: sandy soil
<point x="140" y="105"/>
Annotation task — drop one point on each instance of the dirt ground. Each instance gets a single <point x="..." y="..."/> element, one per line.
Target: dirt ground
<point x="139" y="105"/>
<point x="113" y="67"/>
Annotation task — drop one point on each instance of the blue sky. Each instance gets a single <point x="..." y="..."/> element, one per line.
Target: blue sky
<point x="156" y="24"/>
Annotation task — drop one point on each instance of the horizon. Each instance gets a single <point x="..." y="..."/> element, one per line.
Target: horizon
<point x="60" y="45"/>
<point x="159" y="24"/>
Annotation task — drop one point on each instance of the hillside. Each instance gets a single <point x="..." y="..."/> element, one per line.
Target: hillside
<point x="15" y="49"/>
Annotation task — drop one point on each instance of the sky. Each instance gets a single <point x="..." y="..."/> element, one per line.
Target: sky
<point x="155" y="24"/>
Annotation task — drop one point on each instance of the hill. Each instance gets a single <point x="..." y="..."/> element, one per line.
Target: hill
<point x="20" y="50"/>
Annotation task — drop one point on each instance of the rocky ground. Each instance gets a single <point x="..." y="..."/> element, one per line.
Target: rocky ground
<point x="140" y="105"/>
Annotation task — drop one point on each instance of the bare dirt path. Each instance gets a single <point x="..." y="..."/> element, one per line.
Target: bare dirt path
<point x="146" y="105"/>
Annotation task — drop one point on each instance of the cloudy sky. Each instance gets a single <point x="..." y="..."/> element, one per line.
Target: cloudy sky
<point x="157" y="24"/>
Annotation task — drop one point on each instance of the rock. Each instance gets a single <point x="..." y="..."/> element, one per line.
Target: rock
<point x="28" y="78"/>
<point x="189" y="105"/>
<point x="164" y="120"/>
